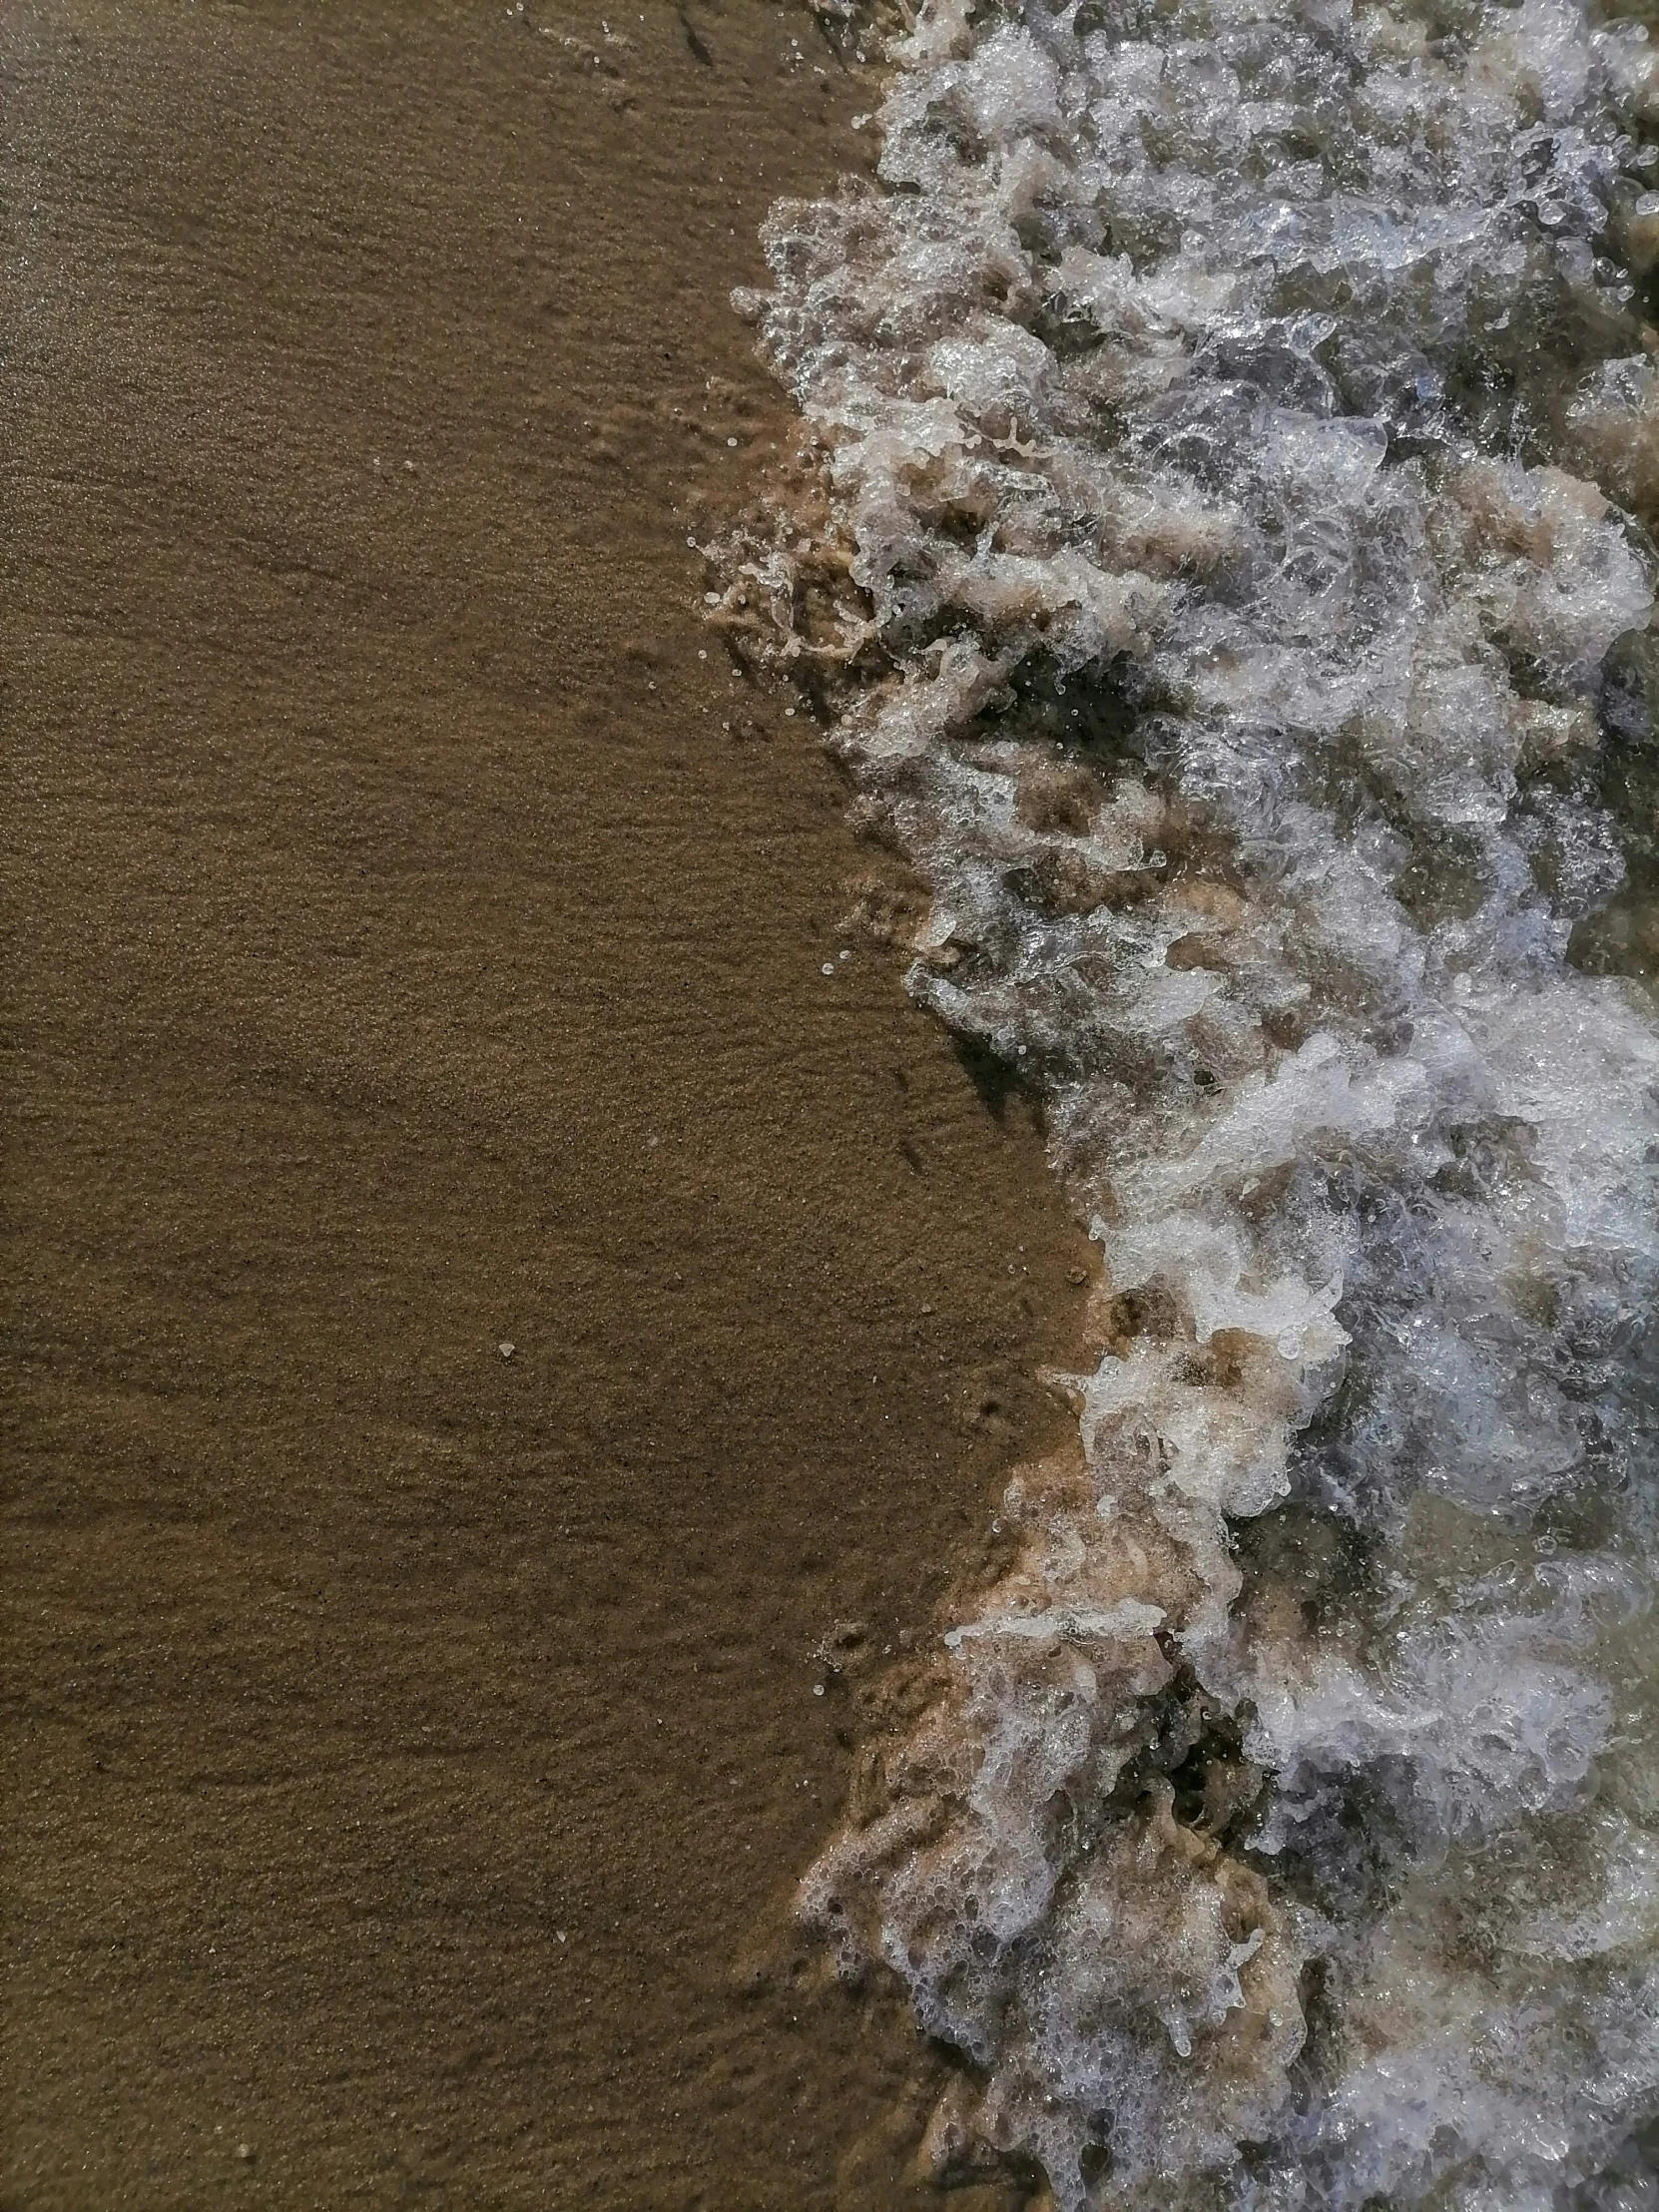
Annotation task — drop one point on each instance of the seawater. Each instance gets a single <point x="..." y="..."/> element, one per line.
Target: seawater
<point x="1230" y="577"/>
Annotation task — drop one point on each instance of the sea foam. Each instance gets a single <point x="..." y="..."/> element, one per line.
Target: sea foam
<point x="1229" y="579"/>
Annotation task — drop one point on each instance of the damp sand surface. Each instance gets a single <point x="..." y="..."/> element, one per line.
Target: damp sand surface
<point x="411" y="1744"/>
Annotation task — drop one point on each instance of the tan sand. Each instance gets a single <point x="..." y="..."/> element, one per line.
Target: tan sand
<point x="411" y="1748"/>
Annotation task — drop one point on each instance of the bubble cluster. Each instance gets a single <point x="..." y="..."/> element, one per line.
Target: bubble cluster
<point x="1231" y="578"/>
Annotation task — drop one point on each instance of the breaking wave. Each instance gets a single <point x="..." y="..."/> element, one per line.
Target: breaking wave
<point x="1229" y="578"/>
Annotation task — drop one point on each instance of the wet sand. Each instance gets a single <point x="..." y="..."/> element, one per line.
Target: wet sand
<point x="411" y="1747"/>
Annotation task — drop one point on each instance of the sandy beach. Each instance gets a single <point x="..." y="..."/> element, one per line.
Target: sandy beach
<point x="485" y="1307"/>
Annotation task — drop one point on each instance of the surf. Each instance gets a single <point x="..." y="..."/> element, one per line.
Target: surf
<point x="1227" y="580"/>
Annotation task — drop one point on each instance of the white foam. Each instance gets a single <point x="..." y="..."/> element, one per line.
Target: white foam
<point x="1224" y="633"/>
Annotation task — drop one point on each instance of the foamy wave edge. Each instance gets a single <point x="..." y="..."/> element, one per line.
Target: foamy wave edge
<point x="1232" y="583"/>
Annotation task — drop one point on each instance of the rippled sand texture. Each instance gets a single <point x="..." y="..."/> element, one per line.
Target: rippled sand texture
<point x="480" y="1307"/>
<point x="1232" y="419"/>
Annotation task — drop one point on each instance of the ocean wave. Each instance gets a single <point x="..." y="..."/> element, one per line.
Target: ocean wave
<point x="1229" y="578"/>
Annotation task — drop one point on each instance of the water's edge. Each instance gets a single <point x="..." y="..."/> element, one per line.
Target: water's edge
<point x="1233" y="580"/>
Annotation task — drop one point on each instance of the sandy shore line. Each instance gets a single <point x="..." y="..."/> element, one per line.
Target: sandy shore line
<point x="412" y="1745"/>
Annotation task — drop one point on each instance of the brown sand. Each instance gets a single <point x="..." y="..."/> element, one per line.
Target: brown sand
<point x="411" y="1749"/>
